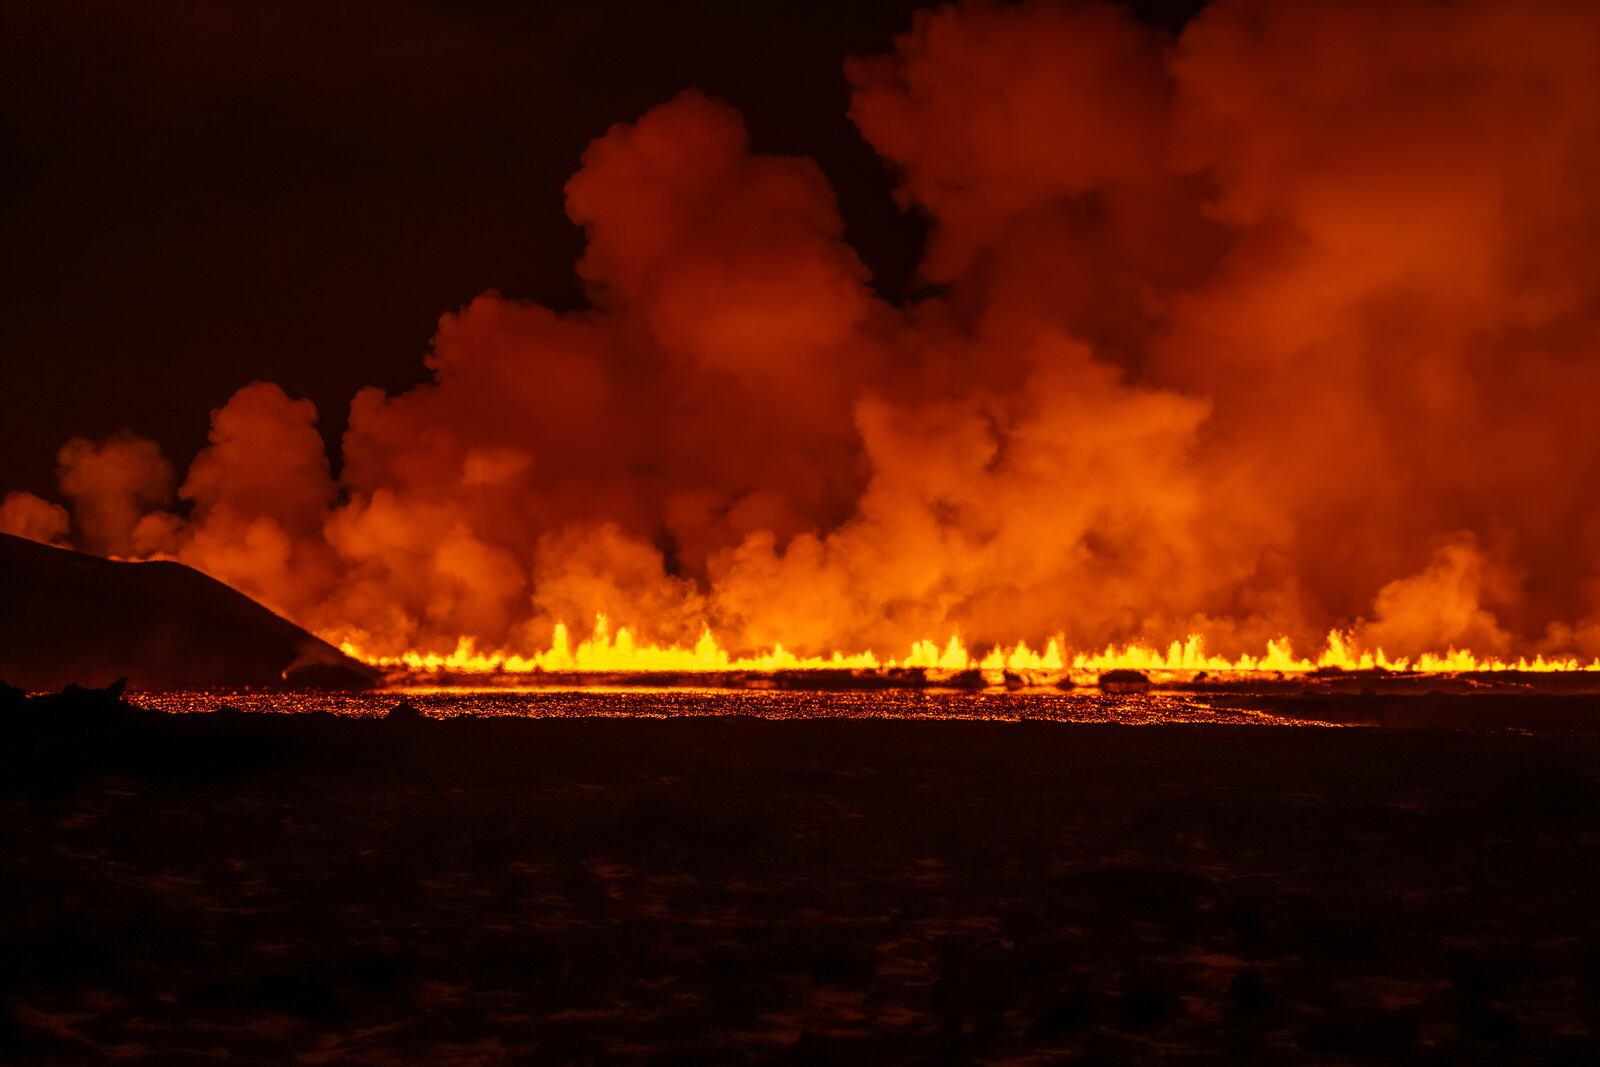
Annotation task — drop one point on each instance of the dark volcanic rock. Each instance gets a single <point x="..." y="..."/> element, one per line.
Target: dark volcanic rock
<point x="80" y="704"/>
<point x="1124" y="681"/>
<point x="404" y="712"/>
<point x="971" y="679"/>
<point x="265" y="887"/>
<point x="66" y="615"/>
<point x="915" y="677"/>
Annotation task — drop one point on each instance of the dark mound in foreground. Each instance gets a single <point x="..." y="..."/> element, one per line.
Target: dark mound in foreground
<point x="266" y="889"/>
<point x="65" y="616"/>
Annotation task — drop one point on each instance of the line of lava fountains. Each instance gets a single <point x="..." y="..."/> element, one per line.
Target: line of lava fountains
<point x="605" y="651"/>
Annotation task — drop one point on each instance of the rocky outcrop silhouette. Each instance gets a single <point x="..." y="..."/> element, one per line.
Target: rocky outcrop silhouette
<point x="66" y="616"/>
<point x="1123" y="680"/>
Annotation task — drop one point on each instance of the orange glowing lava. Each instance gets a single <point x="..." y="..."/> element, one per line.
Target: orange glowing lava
<point x="608" y="652"/>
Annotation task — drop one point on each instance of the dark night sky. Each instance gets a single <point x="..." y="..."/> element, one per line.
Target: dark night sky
<point x="196" y="196"/>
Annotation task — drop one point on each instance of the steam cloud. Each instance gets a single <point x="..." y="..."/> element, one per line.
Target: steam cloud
<point x="1289" y="323"/>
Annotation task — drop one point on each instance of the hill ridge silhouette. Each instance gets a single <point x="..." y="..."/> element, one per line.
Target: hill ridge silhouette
<point x="67" y="616"/>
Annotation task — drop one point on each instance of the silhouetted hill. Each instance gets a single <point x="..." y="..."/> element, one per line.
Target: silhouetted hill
<point x="66" y="617"/>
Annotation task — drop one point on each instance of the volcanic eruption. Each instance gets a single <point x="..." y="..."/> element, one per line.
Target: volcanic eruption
<point x="1222" y="343"/>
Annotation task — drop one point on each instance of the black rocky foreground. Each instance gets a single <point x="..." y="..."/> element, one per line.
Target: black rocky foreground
<point x="304" y="888"/>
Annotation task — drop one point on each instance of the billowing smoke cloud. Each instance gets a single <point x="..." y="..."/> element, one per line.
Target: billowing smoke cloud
<point x="1290" y="323"/>
<point x="33" y="517"/>
<point x="113" y="485"/>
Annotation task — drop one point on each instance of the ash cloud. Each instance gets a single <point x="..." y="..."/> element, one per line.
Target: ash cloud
<point x="1289" y="323"/>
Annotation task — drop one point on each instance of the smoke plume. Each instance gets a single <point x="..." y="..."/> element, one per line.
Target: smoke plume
<point x="1289" y="323"/>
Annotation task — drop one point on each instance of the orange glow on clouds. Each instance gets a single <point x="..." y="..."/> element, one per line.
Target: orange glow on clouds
<point x="1288" y="326"/>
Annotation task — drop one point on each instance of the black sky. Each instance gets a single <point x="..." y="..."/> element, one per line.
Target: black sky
<point x="199" y="195"/>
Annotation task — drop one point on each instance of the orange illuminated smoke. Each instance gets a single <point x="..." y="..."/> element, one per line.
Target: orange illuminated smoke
<point x="1286" y="325"/>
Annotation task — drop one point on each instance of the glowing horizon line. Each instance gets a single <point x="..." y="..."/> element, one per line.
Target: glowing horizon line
<point x="603" y="652"/>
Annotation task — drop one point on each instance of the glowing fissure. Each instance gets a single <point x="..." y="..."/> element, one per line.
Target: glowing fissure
<point x="607" y="652"/>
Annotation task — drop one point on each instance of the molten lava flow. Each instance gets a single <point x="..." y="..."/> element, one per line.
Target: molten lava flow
<point x="607" y="652"/>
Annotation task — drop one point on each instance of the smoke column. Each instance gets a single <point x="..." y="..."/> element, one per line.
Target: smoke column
<point x="1287" y="324"/>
